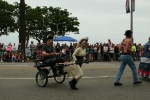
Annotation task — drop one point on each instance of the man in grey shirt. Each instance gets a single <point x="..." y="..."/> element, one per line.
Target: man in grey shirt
<point x="48" y="54"/>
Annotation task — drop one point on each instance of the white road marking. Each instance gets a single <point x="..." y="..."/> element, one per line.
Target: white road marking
<point x="52" y="78"/>
<point x="15" y="65"/>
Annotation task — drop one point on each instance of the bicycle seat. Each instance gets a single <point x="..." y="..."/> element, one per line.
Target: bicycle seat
<point x="39" y="63"/>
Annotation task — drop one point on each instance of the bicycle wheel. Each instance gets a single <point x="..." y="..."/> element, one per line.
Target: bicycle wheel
<point x="61" y="78"/>
<point x="41" y="78"/>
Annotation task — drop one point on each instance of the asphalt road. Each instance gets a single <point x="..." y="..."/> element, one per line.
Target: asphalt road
<point x="17" y="82"/>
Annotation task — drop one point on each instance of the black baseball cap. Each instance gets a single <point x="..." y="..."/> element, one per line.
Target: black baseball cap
<point x="50" y="37"/>
<point x="128" y="32"/>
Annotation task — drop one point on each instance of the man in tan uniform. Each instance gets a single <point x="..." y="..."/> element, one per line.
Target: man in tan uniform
<point x="126" y="58"/>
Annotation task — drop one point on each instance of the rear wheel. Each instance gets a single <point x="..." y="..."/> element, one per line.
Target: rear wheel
<point x="41" y="79"/>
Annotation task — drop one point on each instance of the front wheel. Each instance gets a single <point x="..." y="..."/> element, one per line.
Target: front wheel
<point x="41" y="78"/>
<point x="61" y="78"/>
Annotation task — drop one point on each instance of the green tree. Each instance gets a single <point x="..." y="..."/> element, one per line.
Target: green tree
<point x="7" y="23"/>
<point x="53" y="21"/>
<point x="41" y="21"/>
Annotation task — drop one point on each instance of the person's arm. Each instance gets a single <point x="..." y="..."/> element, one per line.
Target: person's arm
<point x="49" y="54"/>
<point x="44" y="53"/>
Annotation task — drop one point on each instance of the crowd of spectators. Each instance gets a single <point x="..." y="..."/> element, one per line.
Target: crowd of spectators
<point x="106" y="52"/>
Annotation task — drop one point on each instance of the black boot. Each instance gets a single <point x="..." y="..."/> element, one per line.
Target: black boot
<point x="73" y="83"/>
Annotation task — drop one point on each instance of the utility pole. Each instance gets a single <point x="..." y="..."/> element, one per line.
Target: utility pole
<point x="131" y="23"/>
<point x="22" y="32"/>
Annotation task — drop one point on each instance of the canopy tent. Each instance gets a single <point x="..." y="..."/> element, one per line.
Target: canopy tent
<point x="65" y="38"/>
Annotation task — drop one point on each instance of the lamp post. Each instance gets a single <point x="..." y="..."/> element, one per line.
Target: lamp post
<point x="57" y="25"/>
<point x="131" y="20"/>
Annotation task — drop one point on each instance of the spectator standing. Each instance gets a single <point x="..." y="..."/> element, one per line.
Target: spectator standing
<point x="64" y="53"/>
<point x="91" y="53"/>
<point x="1" y="51"/>
<point x="138" y="48"/>
<point x="9" y="48"/>
<point x="111" y="53"/>
<point x="71" y="49"/>
<point x="57" y="47"/>
<point x="95" y="52"/>
<point x="34" y="53"/>
<point x="109" y="43"/>
<point x="32" y="47"/>
<point x="14" y="48"/>
<point x="133" y="48"/>
<point x="101" y="51"/>
<point x="99" y="54"/>
<point x="67" y="54"/>
<point x="27" y="50"/>
<point x="105" y="50"/>
<point x="116" y="51"/>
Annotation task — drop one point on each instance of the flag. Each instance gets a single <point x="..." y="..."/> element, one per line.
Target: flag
<point x="127" y="6"/>
<point x="133" y="5"/>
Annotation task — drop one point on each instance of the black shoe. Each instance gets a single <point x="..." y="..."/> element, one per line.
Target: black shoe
<point x="117" y="84"/>
<point x="138" y="82"/>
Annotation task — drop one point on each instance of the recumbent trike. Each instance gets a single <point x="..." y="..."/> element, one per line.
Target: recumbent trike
<point x="44" y="71"/>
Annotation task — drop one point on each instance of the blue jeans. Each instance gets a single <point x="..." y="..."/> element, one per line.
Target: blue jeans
<point x="1" y="53"/>
<point x="126" y="59"/>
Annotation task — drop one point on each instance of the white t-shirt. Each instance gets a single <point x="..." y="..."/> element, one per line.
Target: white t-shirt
<point x="111" y="50"/>
<point x="63" y="51"/>
<point x="14" y="48"/>
<point x="105" y="48"/>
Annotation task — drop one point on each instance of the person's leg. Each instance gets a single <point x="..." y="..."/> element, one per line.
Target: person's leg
<point x="132" y="65"/>
<point x="77" y="73"/>
<point x="51" y="63"/>
<point x="121" y="69"/>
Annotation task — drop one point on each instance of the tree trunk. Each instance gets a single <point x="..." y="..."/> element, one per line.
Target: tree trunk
<point x="22" y="33"/>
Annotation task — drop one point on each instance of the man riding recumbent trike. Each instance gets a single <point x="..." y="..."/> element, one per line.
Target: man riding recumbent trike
<point x="49" y="63"/>
<point x="44" y="71"/>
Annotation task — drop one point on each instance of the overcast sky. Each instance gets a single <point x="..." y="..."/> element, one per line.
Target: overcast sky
<point x="100" y="20"/>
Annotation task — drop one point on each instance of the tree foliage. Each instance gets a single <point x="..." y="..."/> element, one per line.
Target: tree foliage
<point x="40" y="21"/>
<point x="7" y="23"/>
